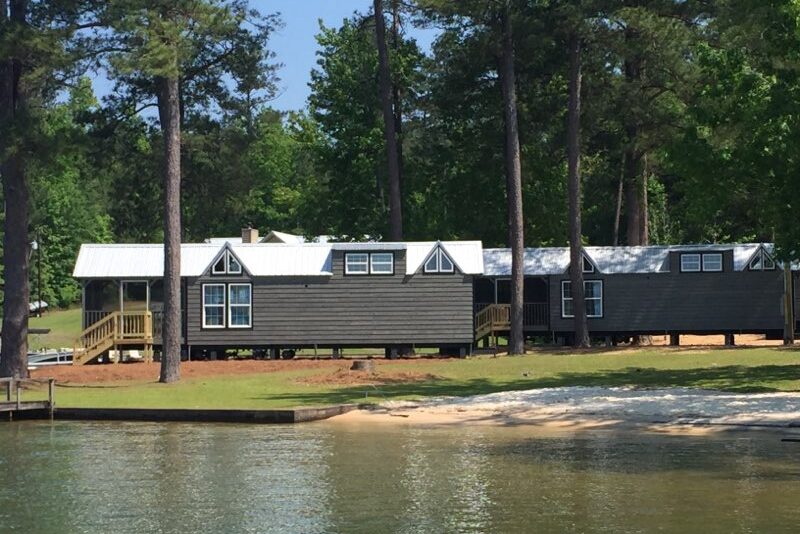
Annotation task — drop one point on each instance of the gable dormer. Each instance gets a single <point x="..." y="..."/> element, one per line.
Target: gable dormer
<point x="438" y="262"/>
<point x="226" y="263"/>
<point x="761" y="260"/>
<point x="588" y="265"/>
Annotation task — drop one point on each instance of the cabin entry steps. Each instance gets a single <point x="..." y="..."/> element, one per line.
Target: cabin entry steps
<point x="117" y="329"/>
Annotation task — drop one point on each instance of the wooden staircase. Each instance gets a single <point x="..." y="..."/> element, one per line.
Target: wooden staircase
<point x="491" y="319"/>
<point x="113" y="331"/>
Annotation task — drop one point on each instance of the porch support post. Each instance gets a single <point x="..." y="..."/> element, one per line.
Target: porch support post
<point x="84" y="283"/>
<point x="674" y="340"/>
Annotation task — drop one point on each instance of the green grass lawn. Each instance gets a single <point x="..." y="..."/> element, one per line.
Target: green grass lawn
<point x="738" y="370"/>
<point x="64" y="325"/>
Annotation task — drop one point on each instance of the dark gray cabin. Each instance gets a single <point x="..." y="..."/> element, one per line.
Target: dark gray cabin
<point x="703" y="289"/>
<point x="268" y="296"/>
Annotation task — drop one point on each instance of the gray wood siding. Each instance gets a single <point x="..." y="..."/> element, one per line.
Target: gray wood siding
<point x="682" y="302"/>
<point x="346" y="310"/>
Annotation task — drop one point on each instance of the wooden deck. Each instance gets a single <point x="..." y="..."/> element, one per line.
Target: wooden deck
<point x="13" y="402"/>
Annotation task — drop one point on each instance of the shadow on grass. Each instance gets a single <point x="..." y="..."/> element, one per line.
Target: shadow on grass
<point x="734" y="378"/>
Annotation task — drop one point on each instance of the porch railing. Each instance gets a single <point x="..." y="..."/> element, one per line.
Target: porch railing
<point x="535" y="314"/>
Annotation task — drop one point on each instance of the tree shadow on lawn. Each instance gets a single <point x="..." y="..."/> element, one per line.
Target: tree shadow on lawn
<point x="733" y="378"/>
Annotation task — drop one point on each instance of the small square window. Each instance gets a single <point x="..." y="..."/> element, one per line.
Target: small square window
<point x="382" y="263"/>
<point x="356" y="263"/>
<point x="712" y="262"/>
<point x="690" y="263"/>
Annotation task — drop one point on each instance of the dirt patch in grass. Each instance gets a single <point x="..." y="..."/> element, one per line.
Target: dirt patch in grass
<point x="148" y="372"/>
<point x="346" y="377"/>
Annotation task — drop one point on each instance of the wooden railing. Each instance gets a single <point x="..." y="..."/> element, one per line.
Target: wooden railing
<point x="535" y="314"/>
<point x="91" y="317"/>
<point x="116" y="327"/>
<point x="15" y="402"/>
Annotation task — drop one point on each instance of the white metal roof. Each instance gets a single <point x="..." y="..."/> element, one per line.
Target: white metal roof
<point x="258" y="259"/>
<point x="140" y="261"/>
<point x="609" y="260"/>
<point x="284" y="260"/>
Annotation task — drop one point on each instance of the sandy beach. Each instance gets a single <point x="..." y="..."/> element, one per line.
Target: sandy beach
<point x="672" y="409"/>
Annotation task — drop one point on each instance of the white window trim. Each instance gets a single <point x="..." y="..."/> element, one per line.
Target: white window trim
<point x="228" y="258"/>
<point x="714" y="254"/>
<point x="223" y="305"/>
<point x="584" y="261"/>
<point x="249" y="307"/>
<point x="585" y="298"/>
<point x="439" y="253"/>
<point x="224" y="259"/>
<point x="443" y="254"/>
<point x="357" y="273"/>
<point x="699" y="262"/>
<point x="435" y="255"/>
<point x="766" y="257"/>
<point x="599" y="298"/>
<point x="372" y="264"/>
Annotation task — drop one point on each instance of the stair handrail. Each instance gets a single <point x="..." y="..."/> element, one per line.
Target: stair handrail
<point x="96" y="334"/>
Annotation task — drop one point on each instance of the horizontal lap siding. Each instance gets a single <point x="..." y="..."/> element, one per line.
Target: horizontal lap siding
<point x="675" y="301"/>
<point x="347" y="310"/>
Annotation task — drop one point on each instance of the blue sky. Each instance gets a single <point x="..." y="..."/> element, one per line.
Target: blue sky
<point x="295" y="46"/>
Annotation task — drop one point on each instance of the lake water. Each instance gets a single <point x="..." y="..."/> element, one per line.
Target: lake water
<point x="328" y="477"/>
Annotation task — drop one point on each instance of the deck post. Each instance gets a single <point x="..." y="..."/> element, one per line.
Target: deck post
<point x="730" y="340"/>
<point x="19" y="400"/>
<point x="51" y="395"/>
<point x="8" y="390"/>
<point x="674" y="340"/>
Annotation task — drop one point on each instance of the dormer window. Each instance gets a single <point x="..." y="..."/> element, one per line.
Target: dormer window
<point x="707" y="262"/>
<point x="363" y="263"/>
<point x="762" y="261"/>
<point x="439" y="262"/>
<point x="227" y="264"/>
<point x="588" y="267"/>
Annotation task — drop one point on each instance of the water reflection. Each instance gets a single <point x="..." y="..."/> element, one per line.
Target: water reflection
<point x="139" y="477"/>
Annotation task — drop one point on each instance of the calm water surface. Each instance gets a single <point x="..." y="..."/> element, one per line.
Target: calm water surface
<point x="325" y="477"/>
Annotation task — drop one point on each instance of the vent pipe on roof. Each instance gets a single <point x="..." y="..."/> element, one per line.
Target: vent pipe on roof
<point x="249" y="234"/>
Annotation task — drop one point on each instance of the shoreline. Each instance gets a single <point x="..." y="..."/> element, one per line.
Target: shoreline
<point x="666" y="410"/>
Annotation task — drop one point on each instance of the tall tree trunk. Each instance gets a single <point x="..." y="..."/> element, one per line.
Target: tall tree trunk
<point x="514" y="186"/>
<point x="396" y="96"/>
<point x="635" y="189"/>
<point x="169" y="114"/>
<point x="618" y="209"/>
<point x="581" y="339"/>
<point x="14" y="357"/>
<point x="392" y="156"/>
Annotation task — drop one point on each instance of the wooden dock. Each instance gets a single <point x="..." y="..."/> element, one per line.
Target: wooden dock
<point x="14" y="405"/>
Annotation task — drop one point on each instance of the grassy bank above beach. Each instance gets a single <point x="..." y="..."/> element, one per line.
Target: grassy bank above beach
<point x="280" y="384"/>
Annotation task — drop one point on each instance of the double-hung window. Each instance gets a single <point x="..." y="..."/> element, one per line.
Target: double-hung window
<point x="239" y="305"/>
<point x="593" y="297"/>
<point x="690" y="263"/>
<point x="707" y="262"/>
<point x="214" y="306"/>
<point x="712" y="262"/>
<point x="356" y="263"/>
<point x="381" y="263"/>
